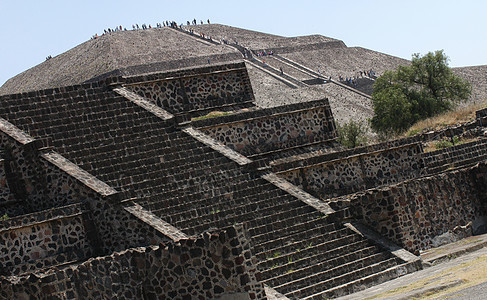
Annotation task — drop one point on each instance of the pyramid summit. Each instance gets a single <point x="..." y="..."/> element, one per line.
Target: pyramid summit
<point x="135" y="52"/>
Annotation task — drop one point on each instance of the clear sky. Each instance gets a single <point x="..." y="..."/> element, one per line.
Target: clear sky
<point x="30" y="30"/>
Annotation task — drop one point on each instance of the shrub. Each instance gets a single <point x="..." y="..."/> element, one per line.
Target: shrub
<point x="352" y="134"/>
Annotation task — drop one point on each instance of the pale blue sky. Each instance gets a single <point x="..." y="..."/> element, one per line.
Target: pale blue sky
<point x="31" y="30"/>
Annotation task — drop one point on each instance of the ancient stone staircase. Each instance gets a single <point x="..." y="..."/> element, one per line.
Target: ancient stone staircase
<point x="195" y="188"/>
<point x="318" y="75"/>
<point x="457" y="156"/>
<point x="262" y="63"/>
<point x="363" y="84"/>
<point x="317" y="257"/>
<point x="288" y="69"/>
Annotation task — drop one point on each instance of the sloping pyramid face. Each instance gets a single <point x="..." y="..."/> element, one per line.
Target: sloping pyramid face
<point x="117" y="53"/>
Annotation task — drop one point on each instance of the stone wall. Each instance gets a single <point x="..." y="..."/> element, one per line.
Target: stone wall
<point x="416" y="212"/>
<point x="210" y="266"/>
<point x="295" y="162"/>
<point x="354" y="173"/>
<point x="43" y="181"/>
<point x="272" y="129"/>
<point x="21" y="170"/>
<point x="40" y="240"/>
<point x="6" y="196"/>
<point x="212" y="88"/>
<point x="115" y="228"/>
<point x="57" y="234"/>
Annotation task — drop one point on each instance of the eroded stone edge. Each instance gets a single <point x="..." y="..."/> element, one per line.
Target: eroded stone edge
<point x="140" y="101"/>
<point x="155" y="222"/>
<point x="212" y="143"/>
<point x="15" y="133"/>
<point x="79" y="174"/>
<point x="298" y="193"/>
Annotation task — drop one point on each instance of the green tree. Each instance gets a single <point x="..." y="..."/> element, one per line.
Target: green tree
<point x="352" y="134"/>
<point x="411" y="93"/>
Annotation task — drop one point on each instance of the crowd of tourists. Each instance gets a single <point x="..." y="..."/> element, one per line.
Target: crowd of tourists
<point x="353" y="79"/>
<point x="265" y="53"/>
<point x="144" y="26"/>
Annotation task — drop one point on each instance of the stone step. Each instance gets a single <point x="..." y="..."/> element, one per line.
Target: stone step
<point x="38" y="118"/>
<point x="456" y="163"/>
<point x="249" y="216"/>
<point x="322" y="275"/>
<point x="287" y="69"/>
<point x="283" y="219"/>
<point x="277" y="240"/>
<point x="364" y="282"/>
<point x="327" y="289"/>
<point x="122" y="150"/>
<point x="225" y="204"/>
<point x="180" y="203"/>
<point x="303" y="268"/>
<point x="269" y="237"/>
<point x="151" y="133"/>
<point x="215" y="175"/>
<point x="211" y="171"/>
<point x="132" y="150"/>
<point x="98" y="123"/>
<point x="317" y="244"/>
<point x="145" y="164"/>
<point x="298" y="260"/>
<point x="256" y="227"/>
<point x="173" y="191"/>
<point x="247" y="206"/>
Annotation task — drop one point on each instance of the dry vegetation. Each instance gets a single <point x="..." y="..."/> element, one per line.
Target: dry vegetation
<point x="462" y="114"/>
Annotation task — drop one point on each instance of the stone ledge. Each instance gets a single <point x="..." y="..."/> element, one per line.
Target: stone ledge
<point x="262" y="113"/>
<point x="299" y="193"/>
<point x="147" y="105"/>
<point x="304" y="47"/>
<point x="272" y="294"/>
<point x="368" y="281"/>
<point x="82" y="176"/>
<point x="155" y="222"/>
<point x="15" y="133"/>
<point x="182" y="76"/>
<point x="224" y="150"/>
<point x="482" y="113"/>
<point x="41" y="217"/>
